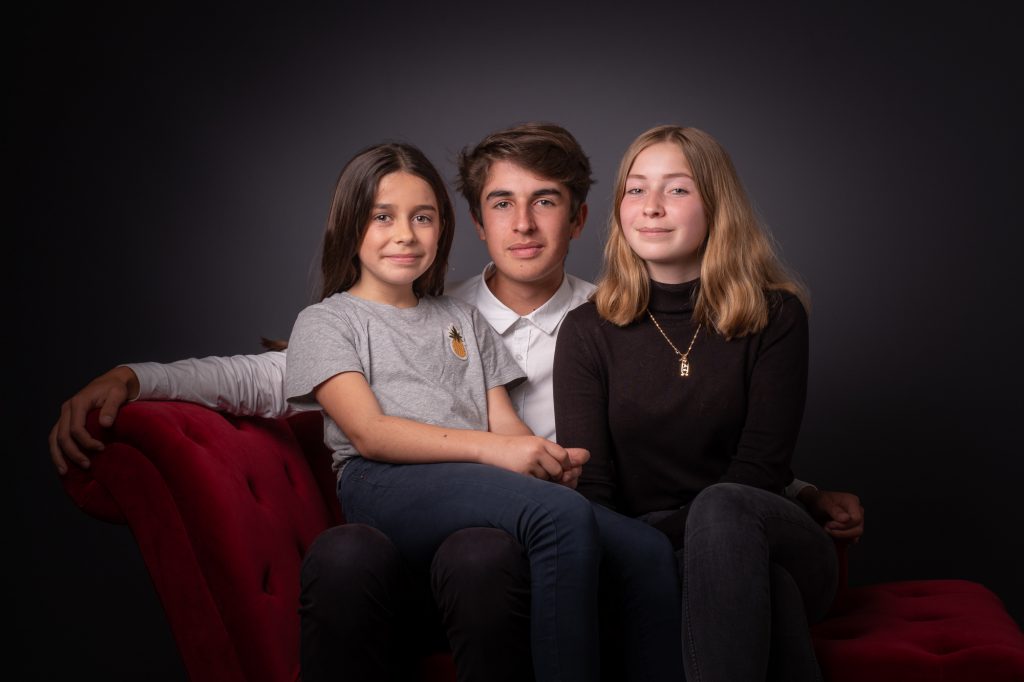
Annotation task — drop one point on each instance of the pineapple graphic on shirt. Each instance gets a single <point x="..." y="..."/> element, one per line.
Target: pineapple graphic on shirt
<point x="457" y="344"/>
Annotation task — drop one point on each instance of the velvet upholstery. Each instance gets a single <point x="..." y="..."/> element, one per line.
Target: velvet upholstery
<point x="918" y="630"/>
<point x="223" y="509"/>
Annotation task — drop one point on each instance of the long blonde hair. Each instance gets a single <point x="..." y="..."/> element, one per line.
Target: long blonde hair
<point x="738" y="260"/>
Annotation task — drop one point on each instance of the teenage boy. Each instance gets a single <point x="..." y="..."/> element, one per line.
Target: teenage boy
<point x="526" y="188"/>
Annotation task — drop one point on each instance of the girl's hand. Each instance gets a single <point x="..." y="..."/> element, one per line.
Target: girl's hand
<point x="532" y="456"/>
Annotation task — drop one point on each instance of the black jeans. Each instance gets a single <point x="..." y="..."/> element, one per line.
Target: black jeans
<point x="756" y="570"/>
<point x="368" y="615"/>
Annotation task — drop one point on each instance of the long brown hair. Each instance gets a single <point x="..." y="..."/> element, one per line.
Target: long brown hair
<point x="738" y="264"/>
<point x="350" y="214"/>
<point x="349" y="217"/>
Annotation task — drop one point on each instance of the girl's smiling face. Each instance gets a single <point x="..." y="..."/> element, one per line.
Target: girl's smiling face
<point x="662" y="214"/>
<point x="400" y="241"/>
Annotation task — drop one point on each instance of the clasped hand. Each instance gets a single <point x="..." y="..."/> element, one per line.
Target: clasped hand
<point x="544" y="459"/>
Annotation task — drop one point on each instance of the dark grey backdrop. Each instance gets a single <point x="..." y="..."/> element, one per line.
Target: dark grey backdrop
<point x="172" y="172"/>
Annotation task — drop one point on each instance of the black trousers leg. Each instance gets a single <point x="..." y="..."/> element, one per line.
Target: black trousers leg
<point x="481" y="584"/>
<point x="364" y="615"/>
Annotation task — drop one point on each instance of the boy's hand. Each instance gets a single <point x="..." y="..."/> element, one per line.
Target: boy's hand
<point x="68" y="436"/>
<point x="840" y="513"/>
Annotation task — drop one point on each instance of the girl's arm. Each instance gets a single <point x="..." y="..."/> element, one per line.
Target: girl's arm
<point x="501" y="415"/>
<point x="350" y="402"/>
<point x="502" y="419"/>
<point x="581" y="408"/>
<point x="777" y="391"/>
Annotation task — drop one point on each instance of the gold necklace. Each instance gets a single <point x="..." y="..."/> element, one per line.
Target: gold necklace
<point x="684" y="358"/>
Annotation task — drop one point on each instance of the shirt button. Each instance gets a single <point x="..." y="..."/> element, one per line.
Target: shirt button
<point x="519" y="357"/>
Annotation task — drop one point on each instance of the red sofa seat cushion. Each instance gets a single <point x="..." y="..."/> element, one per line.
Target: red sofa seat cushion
<point x="948" y="630"/>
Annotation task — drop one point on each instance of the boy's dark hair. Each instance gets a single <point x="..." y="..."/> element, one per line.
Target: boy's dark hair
<point x="546" y="149"/>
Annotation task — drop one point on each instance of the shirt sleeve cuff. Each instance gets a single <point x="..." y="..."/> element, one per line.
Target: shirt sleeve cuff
<point x="794" y="488"/>
<point x="147" y="379"/>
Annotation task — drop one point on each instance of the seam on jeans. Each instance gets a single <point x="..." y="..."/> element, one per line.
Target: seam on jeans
<point x="812" y="528"/>
<point x="818" y="531"/>
<point x="690" y="644"/>
<point x="557" y="611"/>
<point x="361" y="487"/>
<point x="809" y="527"/>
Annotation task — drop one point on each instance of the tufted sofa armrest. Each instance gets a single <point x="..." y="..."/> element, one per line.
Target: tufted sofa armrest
<point x="223" y="509"/>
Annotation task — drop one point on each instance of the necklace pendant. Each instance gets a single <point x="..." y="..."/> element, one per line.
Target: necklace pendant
<point x="684" y="368"/>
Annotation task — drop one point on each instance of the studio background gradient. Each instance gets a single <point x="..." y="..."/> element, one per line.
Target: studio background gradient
<point x="170" y="172"/>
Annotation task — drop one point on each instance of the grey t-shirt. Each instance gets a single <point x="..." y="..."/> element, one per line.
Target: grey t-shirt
<point x="433" y="363"/>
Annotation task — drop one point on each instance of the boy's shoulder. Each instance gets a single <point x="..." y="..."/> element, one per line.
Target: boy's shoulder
<point x="449" y="304"/>
<point x="580" y="286"/>
<point x="464" y="290"/>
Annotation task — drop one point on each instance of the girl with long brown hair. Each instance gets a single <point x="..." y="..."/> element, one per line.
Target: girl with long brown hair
<point x="424" y="436"/>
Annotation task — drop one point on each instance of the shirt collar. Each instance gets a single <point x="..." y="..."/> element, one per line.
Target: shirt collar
<point x="501" y="317"/>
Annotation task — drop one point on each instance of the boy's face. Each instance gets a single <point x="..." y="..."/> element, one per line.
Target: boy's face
<point x="527" y="224"/>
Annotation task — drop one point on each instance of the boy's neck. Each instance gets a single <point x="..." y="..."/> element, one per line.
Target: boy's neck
<point x="523" y="297"/>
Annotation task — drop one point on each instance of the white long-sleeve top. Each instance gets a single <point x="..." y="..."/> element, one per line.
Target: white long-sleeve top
<point x="249" y="385"/>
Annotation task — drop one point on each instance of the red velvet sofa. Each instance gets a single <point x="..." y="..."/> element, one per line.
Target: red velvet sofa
<point x="223" y="509"/>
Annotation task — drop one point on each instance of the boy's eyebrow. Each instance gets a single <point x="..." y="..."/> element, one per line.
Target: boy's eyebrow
<point x="542" y="192"/>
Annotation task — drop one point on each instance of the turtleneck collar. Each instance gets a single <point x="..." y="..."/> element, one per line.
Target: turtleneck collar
<point x="673" y="298"/>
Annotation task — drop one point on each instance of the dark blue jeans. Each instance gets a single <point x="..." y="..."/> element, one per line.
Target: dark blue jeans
<point x="756" y="569"/>
<point x="640" y="618"/>
<point x="419" y="505"/>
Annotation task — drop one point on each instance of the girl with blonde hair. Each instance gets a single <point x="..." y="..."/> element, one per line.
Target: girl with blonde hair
<point x="685" y="377"/>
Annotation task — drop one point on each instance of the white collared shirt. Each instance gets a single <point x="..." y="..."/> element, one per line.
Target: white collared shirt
<point x="530" y="339"/>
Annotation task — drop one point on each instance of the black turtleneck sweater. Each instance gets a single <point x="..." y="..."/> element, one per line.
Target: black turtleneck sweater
<point x="657" y="439"/>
